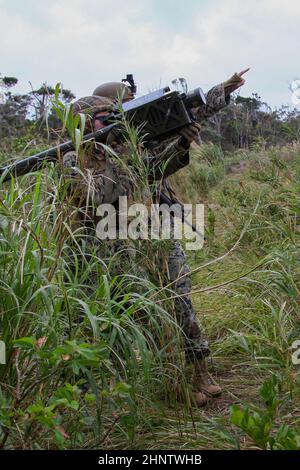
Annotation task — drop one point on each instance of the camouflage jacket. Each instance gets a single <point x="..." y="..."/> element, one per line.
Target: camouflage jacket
<point x="215" y="101"/>
<point x="169" y="157"/>
<point x="98" y="179"/>
<point x="101" y="178"/>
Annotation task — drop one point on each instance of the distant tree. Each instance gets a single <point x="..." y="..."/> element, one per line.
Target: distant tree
<point x="13" y="109"/>
<point x="19" y="111"/>
<point x="249" y="119"/>
<point x="9" y="81"/>
<point x="42" y="100"/>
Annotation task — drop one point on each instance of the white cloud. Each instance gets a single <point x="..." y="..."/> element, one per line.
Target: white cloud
<point x="85" y="42"/>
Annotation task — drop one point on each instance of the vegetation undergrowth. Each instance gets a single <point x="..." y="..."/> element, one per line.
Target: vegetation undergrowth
<point x="93" y="361"/>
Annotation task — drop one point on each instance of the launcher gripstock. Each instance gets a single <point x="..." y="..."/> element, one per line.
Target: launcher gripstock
<point x="161" y="114"/>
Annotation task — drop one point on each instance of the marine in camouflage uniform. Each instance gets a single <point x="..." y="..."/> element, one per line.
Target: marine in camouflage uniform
<point x="107" y="183"/>
<point x="197" y="348"/>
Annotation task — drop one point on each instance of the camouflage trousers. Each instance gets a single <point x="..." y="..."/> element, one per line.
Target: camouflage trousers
<point x="179" y="274"/>
<point x="176" y="271"/>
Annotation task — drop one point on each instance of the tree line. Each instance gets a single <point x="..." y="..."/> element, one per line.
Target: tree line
<point x="245" y="122"/>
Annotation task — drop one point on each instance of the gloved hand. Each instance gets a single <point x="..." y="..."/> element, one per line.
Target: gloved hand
<point x="234" y="82"/>
<point x="189" y="134"/>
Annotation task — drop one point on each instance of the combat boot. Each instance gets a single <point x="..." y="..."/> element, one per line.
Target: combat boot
<point x="199" y="398"/>
<point x="203" y="382"/>
<point x="196" y="397"/>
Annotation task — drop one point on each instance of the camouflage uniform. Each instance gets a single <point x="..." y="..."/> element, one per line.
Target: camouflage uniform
<point x="196" y="346"/>
<point x="105" y="182"/>
<point x="216" y="99"/>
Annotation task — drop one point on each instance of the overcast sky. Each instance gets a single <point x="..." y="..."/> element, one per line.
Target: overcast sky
<point x="83" y="43"/>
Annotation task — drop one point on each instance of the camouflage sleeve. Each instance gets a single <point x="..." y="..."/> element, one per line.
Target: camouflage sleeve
<point x="99" y="182"/>
<point x="216" y="99"/>
<point x="167" y="158"/>
<point x="70" y="164"/>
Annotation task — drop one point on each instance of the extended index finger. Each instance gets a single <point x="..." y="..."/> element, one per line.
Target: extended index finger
<point x="243" y="72"/>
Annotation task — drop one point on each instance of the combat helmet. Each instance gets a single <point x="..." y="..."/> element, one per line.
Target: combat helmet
<point x="91" y="105"/>
<point x="113" y="90"/>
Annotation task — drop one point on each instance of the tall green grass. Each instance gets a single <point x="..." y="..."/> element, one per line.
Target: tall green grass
<point x="94" y="358"/>
<point x="90" y="348"/>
